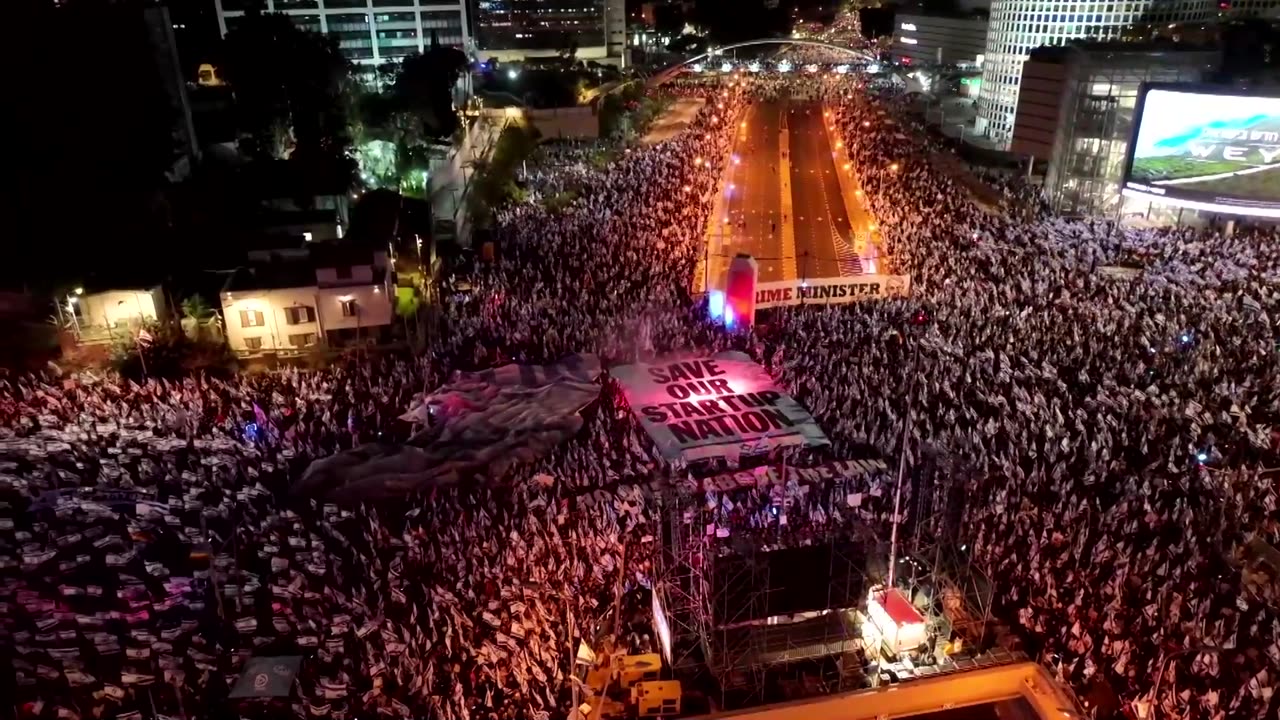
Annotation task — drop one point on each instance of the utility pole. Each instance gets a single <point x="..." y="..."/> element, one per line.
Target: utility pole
<point x="902" y="451"/>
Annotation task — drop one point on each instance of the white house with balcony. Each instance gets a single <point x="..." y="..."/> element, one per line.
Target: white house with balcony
<point x="337" y="297"/>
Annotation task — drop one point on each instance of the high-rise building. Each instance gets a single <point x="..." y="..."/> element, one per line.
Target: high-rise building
<point x="368" y="31"/>
<point x="513" y="29"/>
<point x="1018" y="26"/>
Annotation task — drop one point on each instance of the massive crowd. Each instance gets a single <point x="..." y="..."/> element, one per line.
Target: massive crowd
<point x="1112" y="432"/>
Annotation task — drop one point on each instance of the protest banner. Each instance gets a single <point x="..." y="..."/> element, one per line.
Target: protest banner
<point x="715" y="406"/>
<point x="831" y="291"/>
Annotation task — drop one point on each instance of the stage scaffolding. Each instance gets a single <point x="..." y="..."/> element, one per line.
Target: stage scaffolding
<point x="943" y="576"/>
<point x="715" y="595"/>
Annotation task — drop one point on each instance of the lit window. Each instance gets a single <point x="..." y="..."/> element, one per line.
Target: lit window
<point x="349" y="308"/>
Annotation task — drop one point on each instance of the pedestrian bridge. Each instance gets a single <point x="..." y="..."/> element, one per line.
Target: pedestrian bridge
<point x="860" y="56"/>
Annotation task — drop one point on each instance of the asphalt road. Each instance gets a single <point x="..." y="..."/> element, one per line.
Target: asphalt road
<point x="755" y="206"/>
<point x="753" y="195"/>
<point x="824" y="235"/>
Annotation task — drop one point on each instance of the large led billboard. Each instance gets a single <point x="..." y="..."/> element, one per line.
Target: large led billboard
<point x="1206" y="149"/>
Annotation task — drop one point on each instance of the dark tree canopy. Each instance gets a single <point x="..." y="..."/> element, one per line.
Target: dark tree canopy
<point x="91" y="139"/>
<point x="291" y="88"/>
<point x="424" y="87"/>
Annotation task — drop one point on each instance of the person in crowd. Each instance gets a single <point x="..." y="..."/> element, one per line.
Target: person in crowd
<point x="1112" y="433"/>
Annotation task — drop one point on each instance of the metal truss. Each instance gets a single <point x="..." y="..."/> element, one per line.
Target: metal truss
<point x="943" y="577"/>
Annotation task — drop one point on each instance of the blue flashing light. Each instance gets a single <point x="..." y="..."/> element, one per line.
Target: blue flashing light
<point x="715" y="305"/>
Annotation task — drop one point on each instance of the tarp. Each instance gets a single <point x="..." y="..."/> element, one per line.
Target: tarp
<point x="719" y="405"/>
<point x="480" y="422"/>
<point x="267" y="677"/>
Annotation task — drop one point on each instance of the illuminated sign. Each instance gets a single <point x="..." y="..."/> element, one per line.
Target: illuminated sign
<point x="907" y="40"/>
<point x="1207" y="150"/>
<point x="831" y="291"/>
<point x="717" y="406"/>
<point x="909" y="26"/>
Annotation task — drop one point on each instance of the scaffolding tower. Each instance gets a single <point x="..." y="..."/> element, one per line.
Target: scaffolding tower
<point x="716" y="594"/>
<point x="943" y="578"/>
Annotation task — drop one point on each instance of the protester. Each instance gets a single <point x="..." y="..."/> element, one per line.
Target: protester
<point x="1111" y="431"/>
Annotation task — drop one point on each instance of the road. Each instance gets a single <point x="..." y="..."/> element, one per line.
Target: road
<point x="824" y="234"/>
<point x="783" y="199"/>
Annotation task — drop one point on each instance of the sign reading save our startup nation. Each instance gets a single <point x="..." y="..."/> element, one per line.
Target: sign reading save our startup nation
<point x="714" y="406"/>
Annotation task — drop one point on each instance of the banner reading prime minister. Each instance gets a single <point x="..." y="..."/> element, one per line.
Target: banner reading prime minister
<point x="831" y="291"/>
<point x="713" y="406"/>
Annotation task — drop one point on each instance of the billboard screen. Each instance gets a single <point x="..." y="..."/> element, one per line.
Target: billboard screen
<point x="1207" y="150"/>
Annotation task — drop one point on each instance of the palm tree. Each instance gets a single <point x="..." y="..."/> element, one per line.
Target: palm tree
<point x="196" y="308"/>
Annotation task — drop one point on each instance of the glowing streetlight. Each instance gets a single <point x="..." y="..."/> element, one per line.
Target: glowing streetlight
<point x="79" y="291"/>
<point x="893" y="167"/>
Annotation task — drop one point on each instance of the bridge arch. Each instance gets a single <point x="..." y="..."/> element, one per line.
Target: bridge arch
<point x="672" y="71"/>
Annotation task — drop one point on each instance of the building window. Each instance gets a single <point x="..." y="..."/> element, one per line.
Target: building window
<point x="346" y="3"/>
<point x="302" y="340"/>
<point x="404" y="17"/>
<point x="349" y="308"/>
<point x="296" y="5"/>
<point x="252" y="318"/>
<point x="300" y="314"/>
<point x="253" y="343"/>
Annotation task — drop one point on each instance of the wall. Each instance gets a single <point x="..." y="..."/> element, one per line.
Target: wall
<point x="360" y="275"/>
<point x="373" y="306"/>
<point x="107" y="309"/>
<point x="1039" y="108"/>
<point x="570" y="122"/>
<point x="276" y="330"/>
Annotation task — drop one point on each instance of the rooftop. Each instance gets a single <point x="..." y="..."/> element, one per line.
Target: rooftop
<point x="272" y="276"/>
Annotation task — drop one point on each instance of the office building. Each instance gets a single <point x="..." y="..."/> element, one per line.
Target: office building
<point x="1019" y="26"/>
<point x="368" y="31"/>
<point x="1076" y="111"/>
<point x="515" y="29"/>
<point x="926" y="40"/>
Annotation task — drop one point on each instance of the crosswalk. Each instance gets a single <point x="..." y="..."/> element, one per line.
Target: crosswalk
<point x="850" y="263"/>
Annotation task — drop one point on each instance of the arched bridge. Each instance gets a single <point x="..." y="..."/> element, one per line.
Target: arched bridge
<point x="860" y="55"/>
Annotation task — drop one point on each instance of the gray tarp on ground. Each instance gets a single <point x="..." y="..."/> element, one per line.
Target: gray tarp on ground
<point x="479" y="422"/>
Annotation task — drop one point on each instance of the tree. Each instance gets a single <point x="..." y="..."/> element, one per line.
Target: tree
<point x="197" y="308"/>
<point x="424" y="87"/>
<point x="292" y="90"/>
<point x="91" y="141"/>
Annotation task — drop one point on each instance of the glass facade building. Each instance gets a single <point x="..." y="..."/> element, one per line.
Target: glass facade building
<point x="1019" y="26"/>
<point x="368" y="31"/>
<point x="1076" y="112"/>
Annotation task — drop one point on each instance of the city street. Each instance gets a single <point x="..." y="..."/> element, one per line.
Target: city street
<point x="783" y="200"/>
